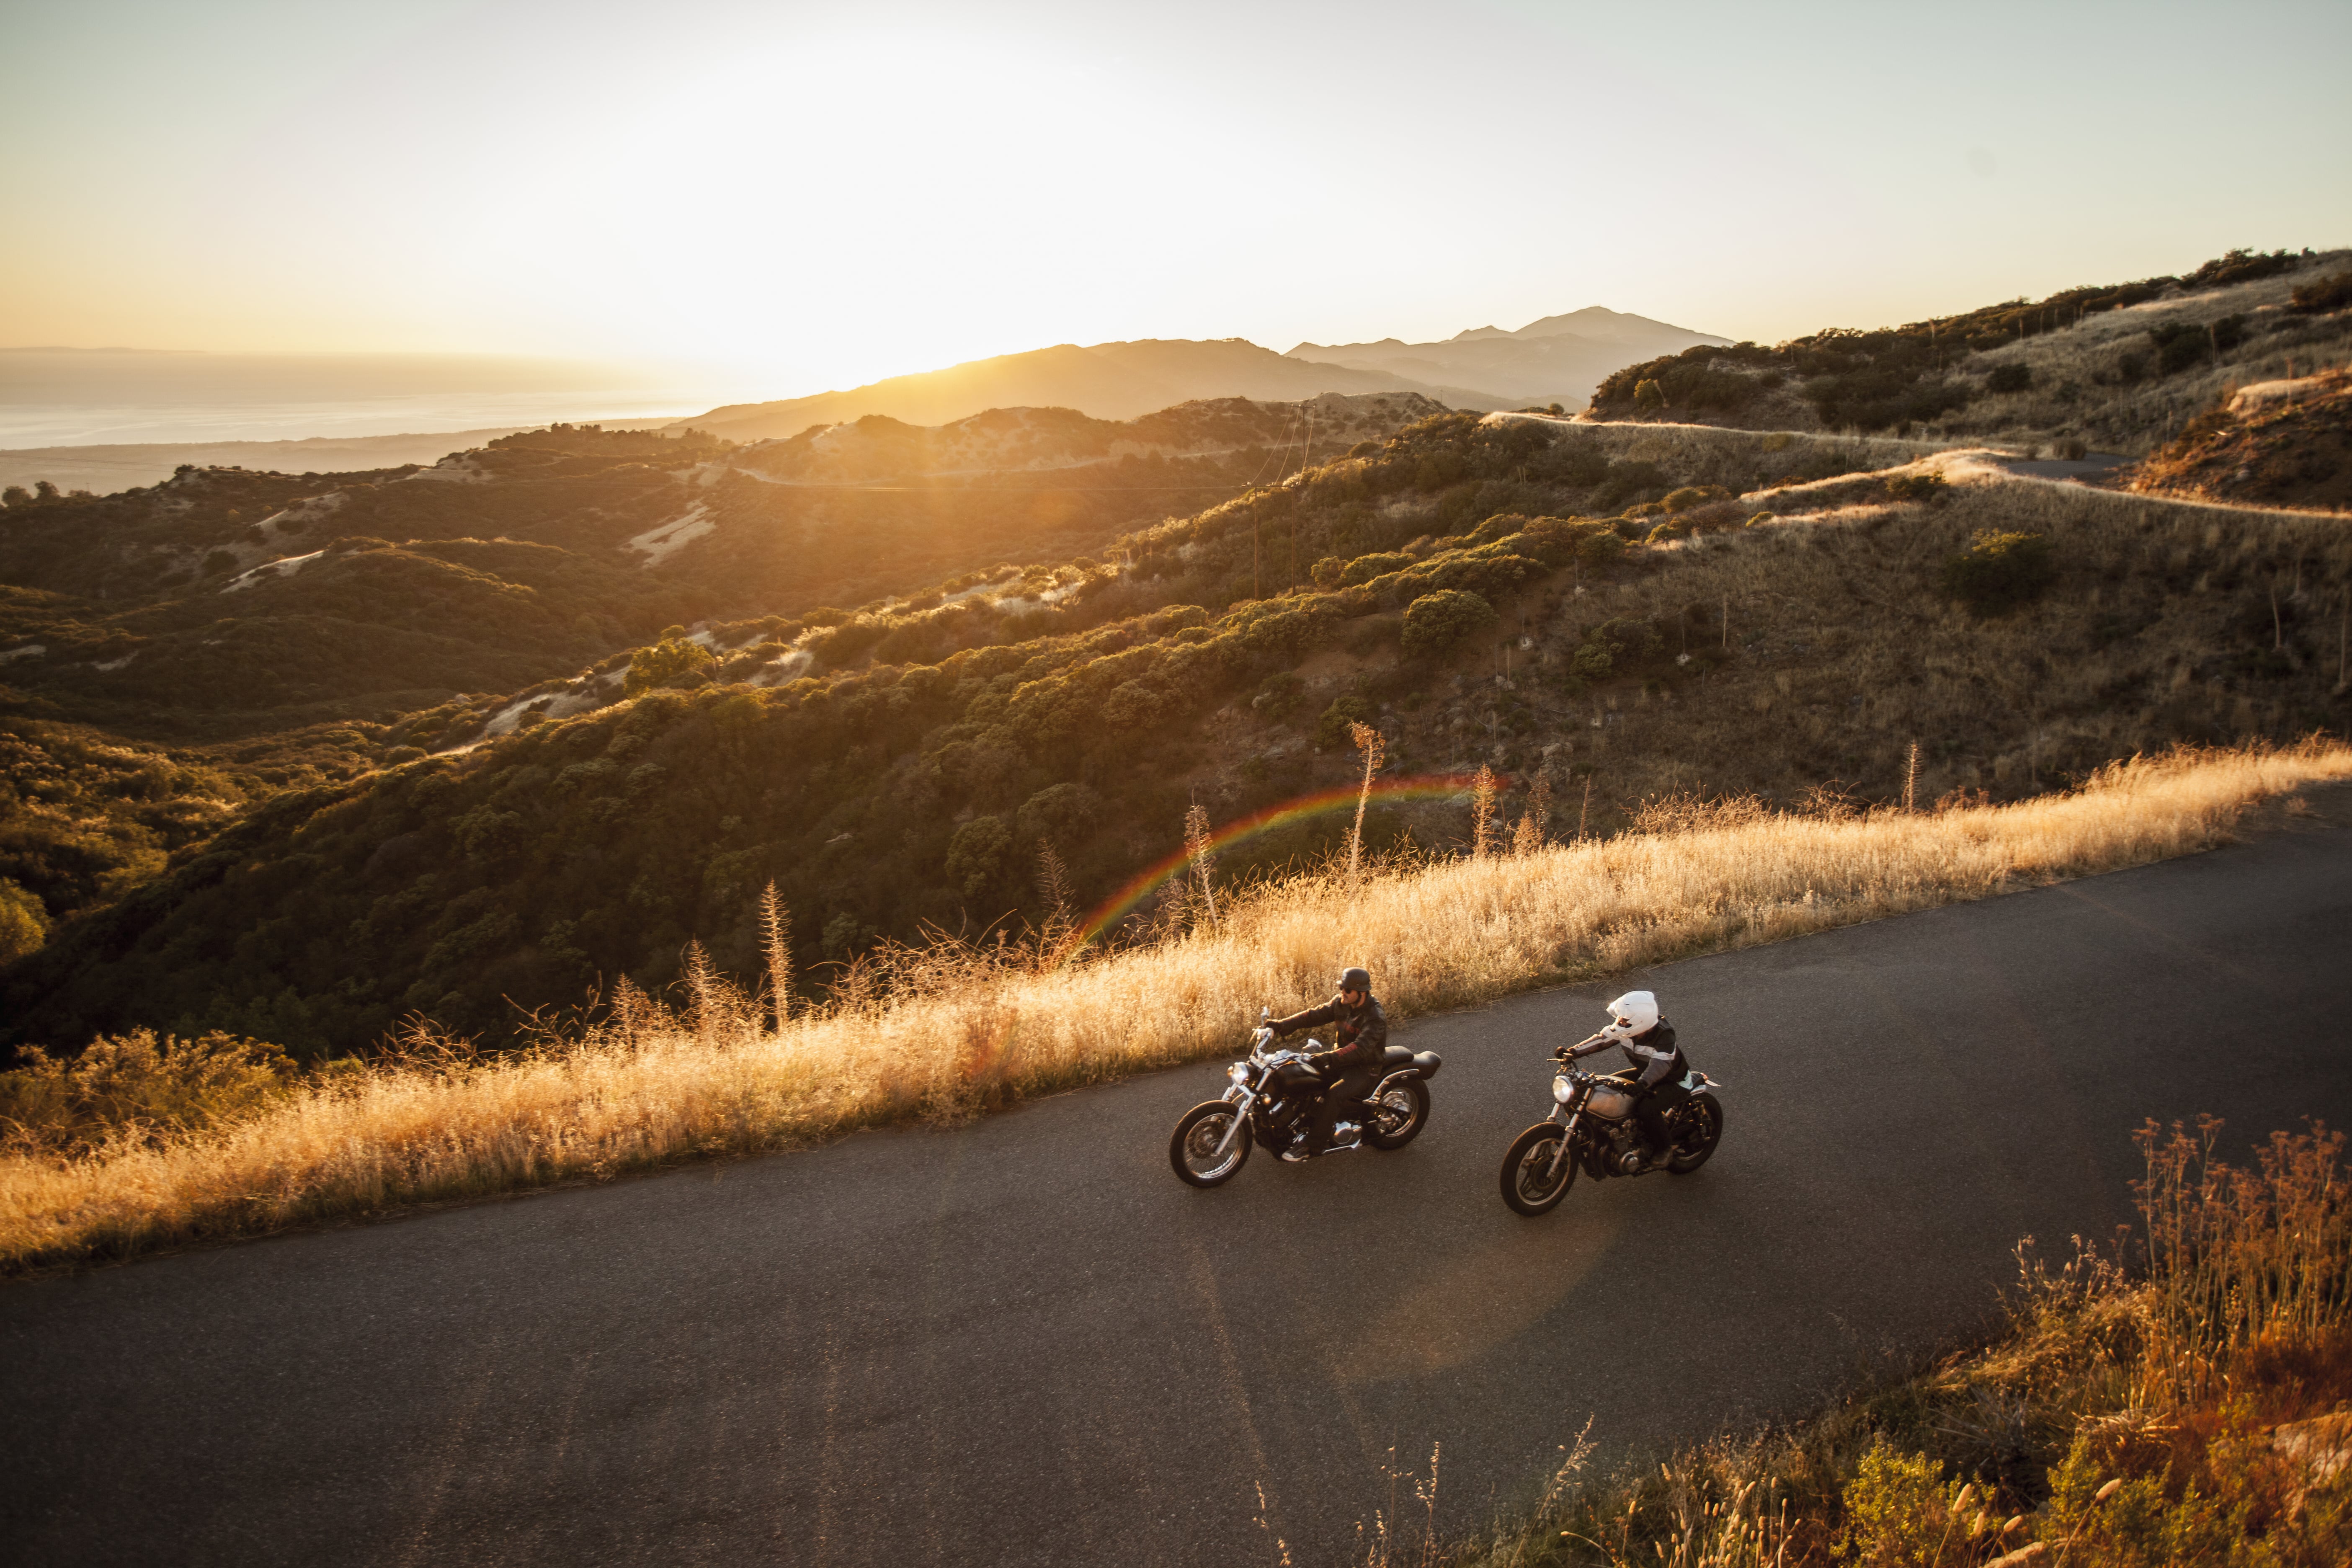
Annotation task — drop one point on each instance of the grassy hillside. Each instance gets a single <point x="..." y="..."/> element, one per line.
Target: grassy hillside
<point x="2118" y="369"/>
<point x="880" y="710"/>
<point x="2279" y="443"/>
<point x="943" y="760"/>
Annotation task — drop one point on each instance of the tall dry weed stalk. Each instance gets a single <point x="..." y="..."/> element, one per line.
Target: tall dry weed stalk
<point x="1529" y="835"/>
<point x="776" y="947"/>
<point x="1374" y="750"/>
<point x="1482" y="813"/>
<point x="1200" y="853"/>
<point x="947" y="1026"/>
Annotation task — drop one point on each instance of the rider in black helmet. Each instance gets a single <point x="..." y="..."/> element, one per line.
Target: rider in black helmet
<point x="1348" y="1070"/>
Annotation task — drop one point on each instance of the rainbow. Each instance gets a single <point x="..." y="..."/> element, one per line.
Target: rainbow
<point x="1425" y="786"/>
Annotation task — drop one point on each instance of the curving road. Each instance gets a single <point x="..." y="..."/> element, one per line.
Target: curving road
<point x="1023" y="1342"/>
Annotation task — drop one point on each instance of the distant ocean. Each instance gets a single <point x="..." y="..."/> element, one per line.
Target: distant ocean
<point x="89" y="397"/>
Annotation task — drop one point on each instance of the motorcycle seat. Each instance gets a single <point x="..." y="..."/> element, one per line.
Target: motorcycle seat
<point x="1395" y="1056"/>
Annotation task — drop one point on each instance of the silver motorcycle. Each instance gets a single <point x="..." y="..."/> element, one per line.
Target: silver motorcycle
<point x="1591" y="1128"/>
<point x="1262" y="1105"/>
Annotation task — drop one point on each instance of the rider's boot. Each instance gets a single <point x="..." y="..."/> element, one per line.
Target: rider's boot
<point x="1309" y="1141"/>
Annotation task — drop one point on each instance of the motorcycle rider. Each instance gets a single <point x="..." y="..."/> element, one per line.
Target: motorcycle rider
<point x="1648" y="1040"/>
<point x="1348" y="1070"/>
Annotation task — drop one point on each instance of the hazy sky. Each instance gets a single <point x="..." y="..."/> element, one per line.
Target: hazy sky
<point x="817" y="196"/>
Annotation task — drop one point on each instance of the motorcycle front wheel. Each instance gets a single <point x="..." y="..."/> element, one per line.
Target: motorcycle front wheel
<point x="1192" y="1149"/>
<point x="1398" y="1115"/>
<point x="1530" y="1185"/>
<point x="1699" y="1128"/>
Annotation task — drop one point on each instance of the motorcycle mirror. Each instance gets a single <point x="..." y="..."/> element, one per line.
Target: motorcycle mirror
<point x="1266" y="1012"/>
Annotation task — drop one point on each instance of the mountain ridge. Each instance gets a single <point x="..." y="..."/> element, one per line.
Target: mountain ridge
<point x="1560" y="358"/>
<point x="1117" y="381"/>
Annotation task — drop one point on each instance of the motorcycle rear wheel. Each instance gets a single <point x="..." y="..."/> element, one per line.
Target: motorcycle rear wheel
<point x="1529" y="1184"/>
<point x="1408" y="1103"/>
<point x="1699" y="1128"/>
<point x="1192" y="1148"/>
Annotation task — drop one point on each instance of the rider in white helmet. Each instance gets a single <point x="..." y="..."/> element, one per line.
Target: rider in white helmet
<point x="1637" y="1027"/>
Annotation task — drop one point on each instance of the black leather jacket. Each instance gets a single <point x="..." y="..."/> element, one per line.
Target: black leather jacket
<point x="1362" y="1033"/>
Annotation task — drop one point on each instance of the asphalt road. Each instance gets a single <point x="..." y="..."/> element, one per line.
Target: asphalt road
<point x="1023" y="1342"/>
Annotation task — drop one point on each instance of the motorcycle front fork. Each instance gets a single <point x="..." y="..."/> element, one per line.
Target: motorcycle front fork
<point x="1567" y="1138"/>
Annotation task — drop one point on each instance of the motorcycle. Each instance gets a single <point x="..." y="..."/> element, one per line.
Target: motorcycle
<point x="1591" y="1128"/>
<point x="1212" y="1139"/>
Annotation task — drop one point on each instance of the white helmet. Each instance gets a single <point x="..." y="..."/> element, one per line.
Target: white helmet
<point x="1634" y="1012"/>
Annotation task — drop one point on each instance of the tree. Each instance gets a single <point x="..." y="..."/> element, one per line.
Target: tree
<point x="15" y="495"/>
<point x="978" y="854"/>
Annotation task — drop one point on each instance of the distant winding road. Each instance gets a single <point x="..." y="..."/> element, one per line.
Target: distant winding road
<point x="1023" y="1342"/>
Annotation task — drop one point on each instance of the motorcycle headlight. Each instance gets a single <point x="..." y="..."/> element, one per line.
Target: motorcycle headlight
<point x="1562" y="1088"/>
<point x="1238" y="1073"/>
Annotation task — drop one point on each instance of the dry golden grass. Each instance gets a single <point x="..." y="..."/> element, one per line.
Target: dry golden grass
<point x="2136" y="418"/>
<point x="2182" y="1409"/>
<point x="949" y="1029"/>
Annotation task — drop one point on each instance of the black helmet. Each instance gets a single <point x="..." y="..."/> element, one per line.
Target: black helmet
<point x="1356" y="980"/>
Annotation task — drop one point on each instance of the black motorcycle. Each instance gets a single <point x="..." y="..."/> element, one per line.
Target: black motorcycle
<point x="1591" y="1128"/>
<point x="1269" y="1107"/>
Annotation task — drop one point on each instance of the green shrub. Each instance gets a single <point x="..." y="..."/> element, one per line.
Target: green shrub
<point x="2179" y="345"/>
<point x="24" y="922"/>
<point x="2009" y="378"/>
<point x="1600" y="547"/>
<point x="1326" y="571"/>
<point x="1916" y="486"/>
<point x="1897" y="1509"/>
<point x="1331" y="730"/>
<point x="1062" y="813"/>
<point x="1649" y="395"/>
<point x="1364" y="568"/>
<point x="1689" y="496"/>
<point x="672" y="662"/>
<point x="1278" y="695"/>
<point x="1502" y="525"/>
<point x="2316" y="299"/>
<point x="1435" y="621"/>
<point x="2000" y="572"/>
<point x="2240" y="266"/>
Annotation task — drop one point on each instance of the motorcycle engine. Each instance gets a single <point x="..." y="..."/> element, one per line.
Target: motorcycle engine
<point x="1625" y="1152"/>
